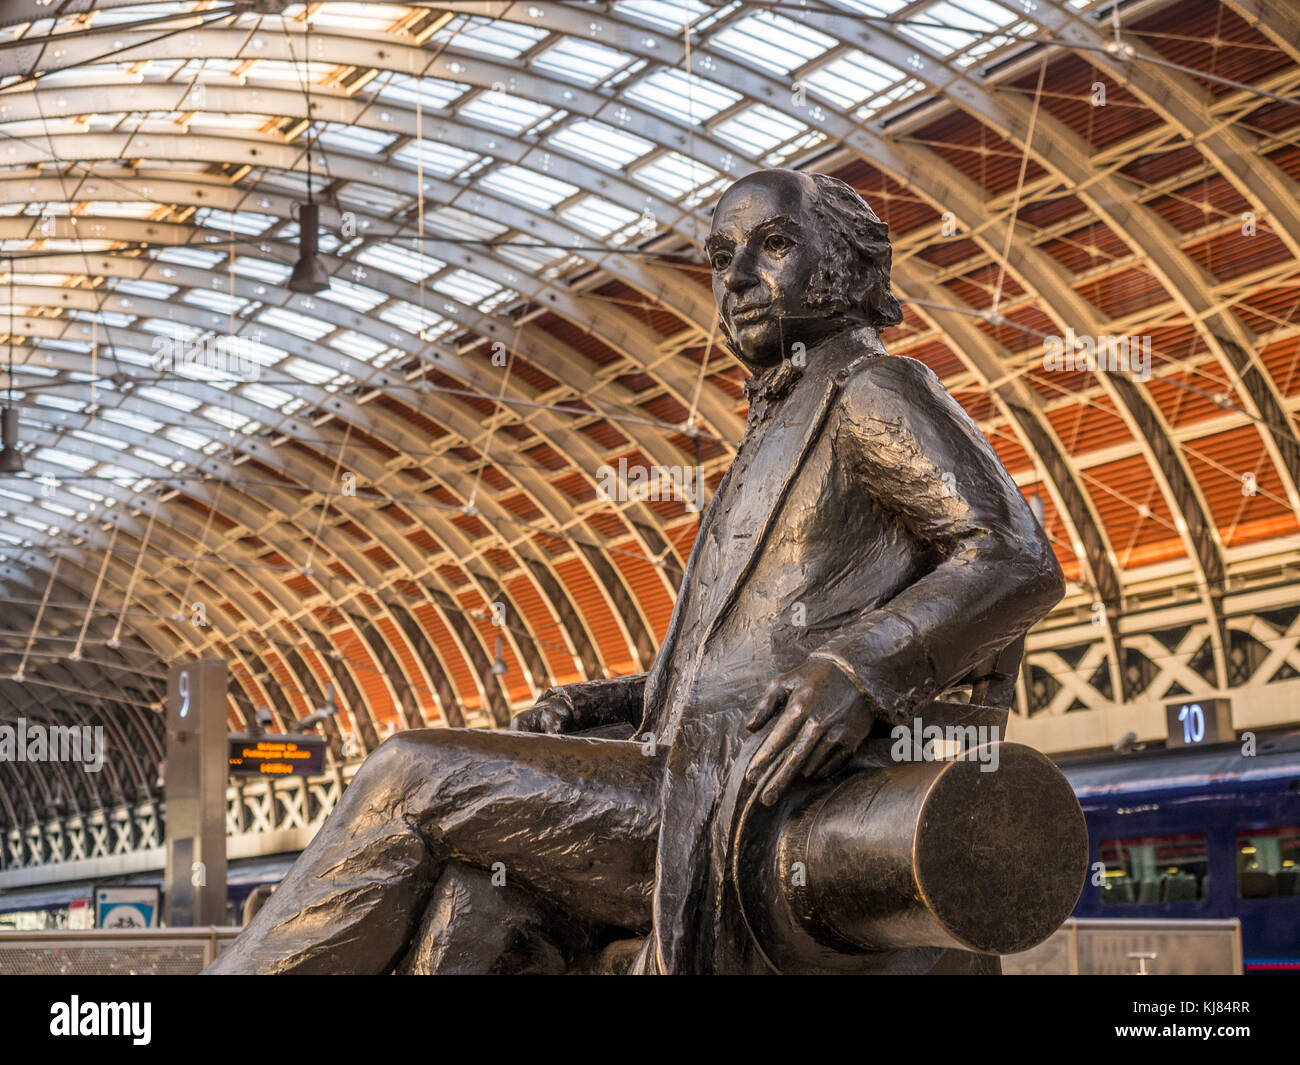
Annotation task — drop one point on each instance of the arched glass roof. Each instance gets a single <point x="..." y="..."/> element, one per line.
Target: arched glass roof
<point x="341" y="488"/>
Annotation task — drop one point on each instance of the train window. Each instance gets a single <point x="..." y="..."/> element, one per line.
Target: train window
<point x="1268" y="863"/>
<point x="1154" y="869"/>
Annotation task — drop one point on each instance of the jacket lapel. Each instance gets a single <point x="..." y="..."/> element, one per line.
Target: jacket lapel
<point x="753" y="511"/>
<point x="654" y="683"/>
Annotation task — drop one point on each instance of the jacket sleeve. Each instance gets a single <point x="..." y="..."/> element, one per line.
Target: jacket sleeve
<point x="602" y="702"/>
<point x="906" y="443"/>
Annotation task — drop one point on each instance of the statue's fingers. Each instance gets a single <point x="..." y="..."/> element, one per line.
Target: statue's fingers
<point x="824" y="750"/>
<point x="768" y="704"/>
<point x="794" y="759"/>
<point x="786" y="728"/>
<point x="834" y="762"/>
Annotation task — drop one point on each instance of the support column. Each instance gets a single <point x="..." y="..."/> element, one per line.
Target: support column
<point x="195" y="790"/>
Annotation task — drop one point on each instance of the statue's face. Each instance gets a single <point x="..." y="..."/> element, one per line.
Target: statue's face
<point x="764" y="247"/>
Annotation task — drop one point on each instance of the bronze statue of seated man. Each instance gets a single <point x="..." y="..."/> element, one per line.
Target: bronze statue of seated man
<point x="865" y="552"/>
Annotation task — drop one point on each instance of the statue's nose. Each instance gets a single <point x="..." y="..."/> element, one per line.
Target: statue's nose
<point x="740" y="274"/>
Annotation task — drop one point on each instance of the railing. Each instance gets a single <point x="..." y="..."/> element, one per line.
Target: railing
<point x="110" y="952"/>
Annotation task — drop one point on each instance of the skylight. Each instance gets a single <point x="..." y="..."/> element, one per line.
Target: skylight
<point x="400" y="261"/>
<point x="168" y="398"/>
<point x="582" y="61"/>
<point x="849" y="79"/>
<point x="493" y="37"/>
<point x="528" y="186"/>
<point x="432" y="92"/>
<point x="131" y="420"/>
<point x="679" y="95"/>
<point x="774" y="42"/>
<point x="262" y="269"/>
<point x="63" y="458"/>
<point x="598" y="143"/>
<point x="513" y="114"/>
<point x="598" y="216"/>
<point x="758" y="129"/>
<point x="250" y="223"/>
<point x="357" y="139"/>
<point x="468" y="288"/>
<point x="358" y="297"/>
<point x="441" y="160"/>
<point x="297" y="324"/>
<point x="954" y="25"/>
<point x="669" y="15"/>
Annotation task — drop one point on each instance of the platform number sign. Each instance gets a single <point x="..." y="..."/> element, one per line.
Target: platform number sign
<point x="1199" y="722"/>
<point x="183" y="690"/>
<point x="1192" y="715"/>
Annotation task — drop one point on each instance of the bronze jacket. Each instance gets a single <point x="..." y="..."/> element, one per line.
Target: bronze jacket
<point x="865" y="520"/>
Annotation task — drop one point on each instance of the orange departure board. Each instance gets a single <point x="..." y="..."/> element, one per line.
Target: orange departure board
<point x="277" y="756"/>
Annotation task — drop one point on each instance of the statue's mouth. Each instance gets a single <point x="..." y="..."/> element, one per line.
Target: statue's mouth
<point x="749" y="314"/>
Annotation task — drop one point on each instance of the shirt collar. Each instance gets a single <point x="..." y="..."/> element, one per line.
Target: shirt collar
<point x="776" y="382"/>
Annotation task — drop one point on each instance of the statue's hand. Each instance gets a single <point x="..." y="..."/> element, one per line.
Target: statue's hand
<point x="553" y="715"/>
<point x="823" y="720"/>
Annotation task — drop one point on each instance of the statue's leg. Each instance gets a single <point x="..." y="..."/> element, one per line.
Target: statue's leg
<point x="572" y="820"/>
<point x="475" y="923"/>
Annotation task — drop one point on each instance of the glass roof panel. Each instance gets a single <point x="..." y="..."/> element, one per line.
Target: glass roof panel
<point x="359" y="347"/>
<point x="774" y="42"/>
<point x="598" y="216"/>
<point x="63" y="458"/>
<point x="953" y="25"/>
<point x="404" y="262"/>
<point x="293" y="322"/>
<point x="350" y="294"/>
<point x="357" y="139"/>
<point x="527" y="186"/>
<point x="582" y="61"/>
<point x="453" y="222"/>
<point x="492" y="37"/>
<point x="261" y="269"/>
<point x="131" y="419"/>
<point x="675" y="174"/>
<point x="851" y="78"/>
<point x="168" y="398"/>
<point x="513" y="114"/>
<point x="371" y="199"/>
<point x="599" y="143"/>
<point x="430" y="92"/>
<point x="465" y="287"/>
<point x="666" y="14"/>
<point x="311" y="372"/>
<point x="758" y="128"/>
<point x="680" y="95"/>
<point x="409" y="317"/>
<point x="439" y="159"/>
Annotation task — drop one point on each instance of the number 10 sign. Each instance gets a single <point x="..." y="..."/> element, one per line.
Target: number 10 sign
<point x="1198" y="722"/>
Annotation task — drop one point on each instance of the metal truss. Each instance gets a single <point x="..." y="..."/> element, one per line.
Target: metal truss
<point x="359" y="598"/>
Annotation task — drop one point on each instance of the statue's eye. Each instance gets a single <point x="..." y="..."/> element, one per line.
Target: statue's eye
<point x="776" y="243"/>
<point x="721" y="261"/>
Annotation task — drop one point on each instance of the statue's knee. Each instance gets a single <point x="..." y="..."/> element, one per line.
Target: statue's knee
<point x="392" y="765"/>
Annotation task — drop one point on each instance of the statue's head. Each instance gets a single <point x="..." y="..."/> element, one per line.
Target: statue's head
<point x="796" y="257"/>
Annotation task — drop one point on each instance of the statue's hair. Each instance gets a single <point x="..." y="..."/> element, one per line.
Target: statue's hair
<point x="854" y="270"/>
